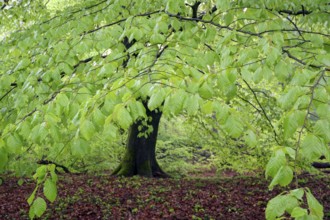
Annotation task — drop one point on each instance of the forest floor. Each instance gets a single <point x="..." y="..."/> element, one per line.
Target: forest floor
<point x="228" y="197"/>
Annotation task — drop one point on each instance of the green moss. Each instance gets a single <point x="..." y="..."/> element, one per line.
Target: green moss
<point x="144" y="169"/>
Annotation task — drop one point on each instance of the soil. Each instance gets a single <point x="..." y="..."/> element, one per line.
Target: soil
<point x="106" y="197"/>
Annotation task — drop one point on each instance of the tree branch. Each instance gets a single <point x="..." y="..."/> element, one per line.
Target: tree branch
<point x="263" y="111"/>
<point x="305" y="123"/>
<point x="119" y="21"/>
<point x="46" y="162"/>
<point x="301" y="61"/>
<point x="27" y="115"/>
<point x="320" y="165"/>
<point x="14" y="86"/>
<point x="195" y="8"/>
<point x="295" y="13"/>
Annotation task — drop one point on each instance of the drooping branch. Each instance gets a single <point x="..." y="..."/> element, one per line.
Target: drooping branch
<point x="263" y="111"/>
<point x="119" y="21"/>
<point x="257" y="34"/>
<point x="301" y="61"/>
<point x="9" y="91"/>
<point x="295" y="26"/>
<point x="46" y="162"/>
<point x="303" y="12"/>
<point x="52" y="97"/>
<point x="76" y="11"/>
<point x="27" y="115"/>
<point x="250" y="103"/>
<point x="303" y="127"/>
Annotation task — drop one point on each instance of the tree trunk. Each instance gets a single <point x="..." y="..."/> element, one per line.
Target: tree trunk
<point x="140" y="156"/>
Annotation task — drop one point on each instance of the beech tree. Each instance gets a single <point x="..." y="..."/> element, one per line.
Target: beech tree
<point x="259" y="69"/>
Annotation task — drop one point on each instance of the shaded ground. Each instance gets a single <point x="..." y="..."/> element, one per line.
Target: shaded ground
<point x="106" y="197"/>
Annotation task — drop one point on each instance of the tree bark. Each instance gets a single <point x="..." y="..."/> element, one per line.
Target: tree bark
<point x="320" y="165"/>
<point x="140" y="156"/>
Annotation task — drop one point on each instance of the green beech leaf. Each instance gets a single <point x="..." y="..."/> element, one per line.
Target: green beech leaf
<point x="283" y="177"/>
<point x="282" y="71"/>
<point x="191" y="104"/>
<point x="40" y="172"/>
<point x="174" y="103"/>
<point x="223" y="5"/>
<point x="87" y="129"/>
<point x="324" y="59"/>
<point x="222" y="111"/>
<point x="79" y="147"/>
<point x="207" y="108"/>
<point x="275" y="163"/>
<point x="156" y="99"/>
<point x="32" y="196"/>
<point x="176" y="24"/>
<point x="322" y="128"/>
<point x="250" y="138"/>
<point x="290" y="151"/>
<point x="277" y="206"/>
<point x="316" y="209"/>
<point x="107" y="70"/>
<point x="228" y="18"/>
<point x="323" y="111"/>
<point x="205" y="91"/>
<point x="137" y="110"/>
<point x="312" y="147"/>
<point x="157" y="38"/>
<point x="50" y="190"/>
<point x="292" y="122"/>
<point x="39" y="206"/>
<point x="287" y="100"/>
<point x="234" y="126"/>
<point x="122" y="116"/>
<point x="22" y="64"/>
<point x="298" y="193"/>
<point x="298" y="212"/>
<point x="98" y="117"/>
<point x="13" y="144"/>
<point x="62" y="99"/>
<point x="110" y="131"/>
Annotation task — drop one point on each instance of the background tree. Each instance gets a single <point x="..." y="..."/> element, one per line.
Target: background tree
<point x="258" y="69"/>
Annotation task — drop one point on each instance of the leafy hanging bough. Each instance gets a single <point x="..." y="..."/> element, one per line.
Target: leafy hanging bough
<point x="99" y="67"/>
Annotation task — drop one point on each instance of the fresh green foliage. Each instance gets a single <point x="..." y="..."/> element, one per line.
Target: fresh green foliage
<point x="73" y="79"/>
<point x="46" y="176"/>
<point x="290" y="203"/>
<point x="37" y="208"/>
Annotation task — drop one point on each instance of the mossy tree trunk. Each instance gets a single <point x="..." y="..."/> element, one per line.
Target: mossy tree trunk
<point x="140" y="156"/>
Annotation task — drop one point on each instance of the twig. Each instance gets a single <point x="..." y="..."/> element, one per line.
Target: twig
<point x="305" y="124"/>
<point x="27" y="115"/>
<point x="2" y="97"/>
<point x="46" y="162"/>
<point x="302" y="62"/>
<point x="263" y="111"/>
